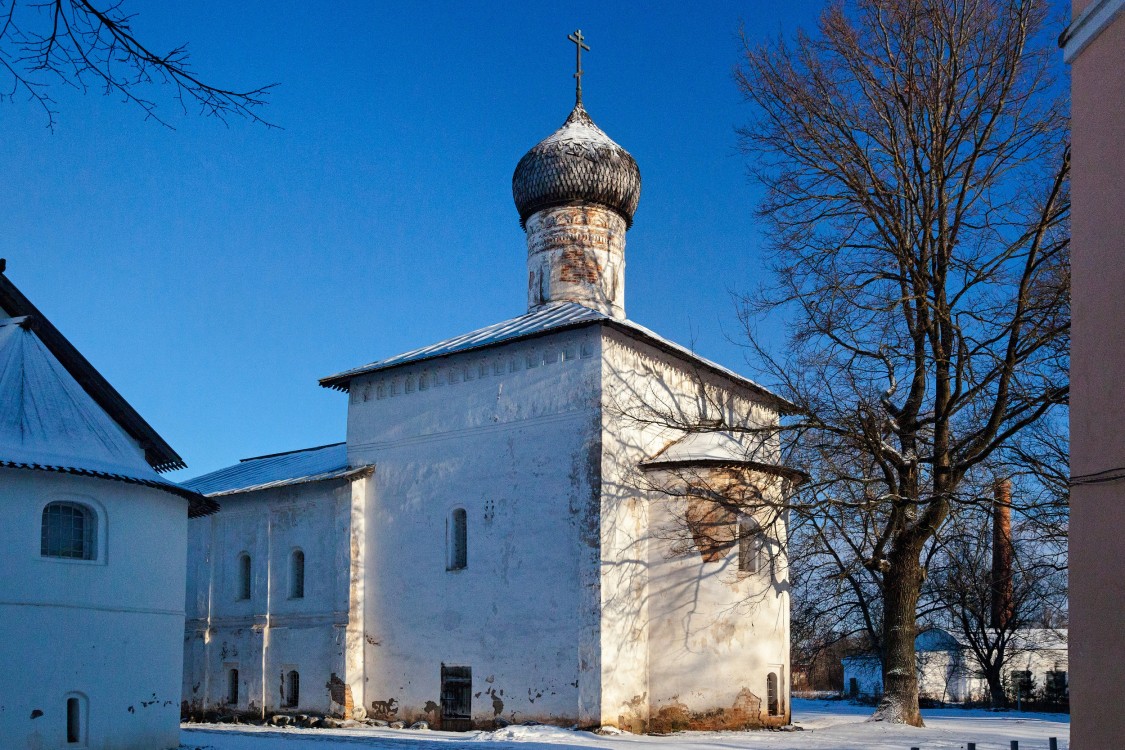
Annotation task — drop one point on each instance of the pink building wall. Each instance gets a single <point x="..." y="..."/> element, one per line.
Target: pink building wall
<point x="1094" y="45"/>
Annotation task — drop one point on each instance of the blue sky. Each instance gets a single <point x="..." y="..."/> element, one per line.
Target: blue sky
<point x="213" y="273"/>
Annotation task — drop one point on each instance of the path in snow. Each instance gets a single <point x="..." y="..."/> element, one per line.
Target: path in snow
<point x="828" y="725"/>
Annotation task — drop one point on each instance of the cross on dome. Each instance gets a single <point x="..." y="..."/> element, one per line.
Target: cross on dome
<point x="579" y="45"/>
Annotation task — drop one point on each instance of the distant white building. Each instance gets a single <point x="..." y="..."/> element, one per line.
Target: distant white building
<point x="486" y="545"/>
<point x="948" y="671"/>
<point x="92" y="548"/>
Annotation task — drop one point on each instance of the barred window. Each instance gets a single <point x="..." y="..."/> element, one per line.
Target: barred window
<point x="292" y="689"/>
<point x="70" y="530"/>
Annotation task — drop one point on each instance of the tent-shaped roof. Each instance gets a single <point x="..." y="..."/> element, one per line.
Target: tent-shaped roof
<point x="49" y="422"/>
<point x="159" y="454"/>
<point x="277" y="470"/>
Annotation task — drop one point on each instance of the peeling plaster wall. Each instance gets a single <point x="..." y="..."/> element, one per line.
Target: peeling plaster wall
<point x="512" y="436"/>
<point x="108" y="630"/>
<point x="695" y="640"/>
<point x="269" y="634"/>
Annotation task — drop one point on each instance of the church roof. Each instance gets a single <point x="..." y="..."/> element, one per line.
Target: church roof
<point x="277" y="470"/>
<point x="553" y="318"/>
<point x="49" y="422"/>
<point x="157" y="452"/>
<point x="577" y="163"/>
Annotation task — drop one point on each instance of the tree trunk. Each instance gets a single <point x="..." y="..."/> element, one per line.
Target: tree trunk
<point x="998" y="696"/>
<point x="902" y="584"/>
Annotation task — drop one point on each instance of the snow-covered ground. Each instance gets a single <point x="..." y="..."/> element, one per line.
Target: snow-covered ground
<point x="827" y="725"/>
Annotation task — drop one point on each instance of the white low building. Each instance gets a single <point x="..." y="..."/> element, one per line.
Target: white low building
<point x="92" y="548"/>
<point x="948" y="671"/>
<point x="491" y="543"/>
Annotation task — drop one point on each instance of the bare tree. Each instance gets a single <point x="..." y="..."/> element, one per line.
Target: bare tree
<point x="915" y="161"/>
<point x="76" y="43"/>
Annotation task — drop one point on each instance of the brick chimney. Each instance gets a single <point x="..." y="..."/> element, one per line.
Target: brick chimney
<point x="1002" y="607"/>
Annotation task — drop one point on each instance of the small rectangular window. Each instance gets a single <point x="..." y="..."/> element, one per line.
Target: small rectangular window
<point x="232" y="687"/>
<point x="73" y="721"/>
<point x="458" y="540"/>
<point x="292" y="689"/>
<point x="532" y="360"/>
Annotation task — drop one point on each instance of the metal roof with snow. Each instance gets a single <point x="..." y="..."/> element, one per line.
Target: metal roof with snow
<point x="159" y="454"/>
<point x="553" y="318"/>
<point x="49" y="422"/>
<point x="277" y="470"/>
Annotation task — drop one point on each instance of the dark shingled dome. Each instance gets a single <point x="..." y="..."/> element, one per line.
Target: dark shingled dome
<point x="578" y="162"/>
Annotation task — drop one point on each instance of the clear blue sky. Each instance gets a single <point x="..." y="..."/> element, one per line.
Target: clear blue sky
<point x="214" y="273"/>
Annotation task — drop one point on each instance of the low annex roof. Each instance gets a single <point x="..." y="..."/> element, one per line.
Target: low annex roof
<point x="721" y="448"/>
<point x="49" y="422"/>
<point x="553" y="318"/>
<point x="277" y="470"/>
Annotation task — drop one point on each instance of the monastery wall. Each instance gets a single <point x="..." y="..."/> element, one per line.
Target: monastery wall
<point x="696" y="638"/>
<point x="510" y="436"/>
<point x="122" y="611"/>
<point x="273" y="632"/>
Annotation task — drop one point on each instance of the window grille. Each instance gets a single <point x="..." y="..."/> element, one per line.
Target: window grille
<point x="232" y="687"/>
<point x="70" y="531"/>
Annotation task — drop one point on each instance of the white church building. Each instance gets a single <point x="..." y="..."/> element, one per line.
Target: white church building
<point x="492" y="543"/>
<point x="92" y="548"/>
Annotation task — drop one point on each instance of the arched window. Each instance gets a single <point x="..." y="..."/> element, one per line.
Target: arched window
<point x="70" y="530"/>
<point x="76" y="719"/>
<point x="232" y="687"/>
<point x="457" y="533"/>
<point x="244" y="589"/>
<point x="749" y="544"/>
<point x="297" y="575"/>
<point x="292" y="688"/>
<point x="773" y="703"/>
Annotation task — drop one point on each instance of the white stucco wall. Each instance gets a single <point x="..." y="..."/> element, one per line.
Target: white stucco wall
<point x="269" y="634"/>
<point x="511" y="435"/>
<point x="693" y="638"/>
<point x="107" y="630"/>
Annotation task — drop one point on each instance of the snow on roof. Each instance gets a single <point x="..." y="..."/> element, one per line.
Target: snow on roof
<point x="159" y="454"/>
<point x="277" y="470"/>
<point x="49" y="422"/>
<point x="555" y="317"/>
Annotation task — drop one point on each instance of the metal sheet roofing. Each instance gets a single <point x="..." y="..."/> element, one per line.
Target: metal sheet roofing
<point x="553" y="318"/>
<point x="48" y="422"/>
<point x="276" y="470"/>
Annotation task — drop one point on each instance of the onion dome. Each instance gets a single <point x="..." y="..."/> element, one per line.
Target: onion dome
<point x="578" y="163"/>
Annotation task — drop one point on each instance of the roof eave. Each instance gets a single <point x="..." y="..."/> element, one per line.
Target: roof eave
<point x="340" y="381"/>
<point x="795" y="476"/>
<point x="198" y="505"/>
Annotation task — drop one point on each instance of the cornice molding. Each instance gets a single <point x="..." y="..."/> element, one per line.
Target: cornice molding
<point x="1085" y="29"/>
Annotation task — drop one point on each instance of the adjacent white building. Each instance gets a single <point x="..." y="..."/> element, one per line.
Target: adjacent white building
<point x="493" y="541"/>
<point x="948" y="671"/>
<point x="92" y="548"/>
